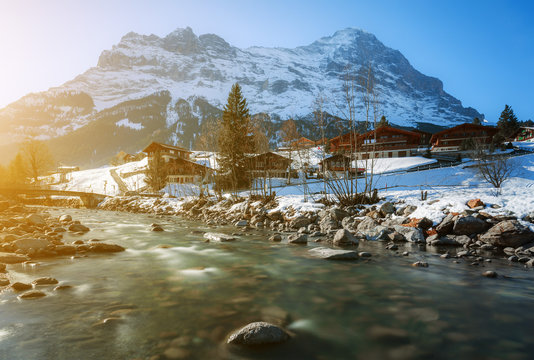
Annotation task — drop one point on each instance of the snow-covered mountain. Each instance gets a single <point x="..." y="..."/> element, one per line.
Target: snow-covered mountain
<point x="151" y="88"/>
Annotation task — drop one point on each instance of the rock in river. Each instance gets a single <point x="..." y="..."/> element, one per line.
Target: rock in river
<point x="78" y="228"/>
<point x="218" y="237"/>
<point x="258" y="333"/>
<point x="508" y="233"/>
<point x="104" y="248"/>
<point x="45" y="281"/>
<point x="9" y="258"/>
<point x="34" y="294"/>
<point x="297" y="239"/>
<point x="333" y="254"/>
<point x="343" y="237"/>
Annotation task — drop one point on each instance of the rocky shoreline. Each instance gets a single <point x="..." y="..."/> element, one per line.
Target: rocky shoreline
<point x="474" y="230"/>
<point x="29" y="235"/>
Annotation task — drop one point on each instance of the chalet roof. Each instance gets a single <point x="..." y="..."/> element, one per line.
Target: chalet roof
<point x="465" y="126"/>
<point x="153" y="145"/>
<point x="384" y="129"/>
<point x="253" y="156"/>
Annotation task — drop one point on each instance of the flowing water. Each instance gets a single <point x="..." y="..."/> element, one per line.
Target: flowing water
<point x="186" y="298"/>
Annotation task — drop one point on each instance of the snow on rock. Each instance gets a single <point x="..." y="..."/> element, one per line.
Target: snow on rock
<point x="128" y="124"/>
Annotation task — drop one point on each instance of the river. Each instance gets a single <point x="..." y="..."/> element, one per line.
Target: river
<point x="185" y="297"/>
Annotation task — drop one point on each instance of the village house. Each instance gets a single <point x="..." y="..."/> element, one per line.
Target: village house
<point x="343" y="143"/>
<point x="180" y="169"/>
<point x="302" y="143"/>
<point x="269" y="165"/>
<point x="524" y="133"/>
<point x="461" y="137"/>
<point x="340" y="163"/>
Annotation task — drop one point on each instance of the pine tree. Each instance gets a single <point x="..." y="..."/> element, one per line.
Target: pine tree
<point x="235" y="140"/>
<point x="477" y="121"/>
<point x="507" y="123"/>
<point x="383" y="122"/>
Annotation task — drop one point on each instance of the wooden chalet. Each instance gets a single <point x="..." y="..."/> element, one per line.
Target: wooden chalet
<point x="302" y="143"/>
<point x="340" y="163"/>
<point x="180" y="169"/>
<point x="524" y="133"/>
<point x="343" y="143"/>
<point x="269" y="164"/>
<point x="454" y="139"/>
<point x="387" y="142"/>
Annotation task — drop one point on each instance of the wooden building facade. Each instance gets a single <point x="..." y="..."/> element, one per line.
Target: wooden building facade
<point x="269" y="164"/>
<point x="459" y="137"/>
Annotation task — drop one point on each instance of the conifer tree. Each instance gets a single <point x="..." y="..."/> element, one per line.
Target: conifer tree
<point x="383" y="122"/>
<point x="235" y="140"/>
<point x="477" y="121"/>
<point x="507" y="123"/>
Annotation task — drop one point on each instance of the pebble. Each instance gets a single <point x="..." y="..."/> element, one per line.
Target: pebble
<point x="420" y="264"/>
<point x="489" y="274"/>
<point x="33" y="294"/>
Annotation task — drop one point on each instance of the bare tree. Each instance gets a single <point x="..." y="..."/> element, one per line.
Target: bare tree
<point x="495" y="170"/>
<point x="320" y="120"/>
<point x="37" y="158"/>
<point x="289" y="135"/>
<point x="156" y="174"/>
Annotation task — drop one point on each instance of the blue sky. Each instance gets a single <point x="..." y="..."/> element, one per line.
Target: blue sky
<point x="483" y="51"/>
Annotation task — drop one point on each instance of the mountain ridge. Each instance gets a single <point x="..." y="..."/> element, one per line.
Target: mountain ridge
<point x="280" y="82"/>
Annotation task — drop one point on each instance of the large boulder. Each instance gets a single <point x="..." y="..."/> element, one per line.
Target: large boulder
<point x="333" y="254"/>
<point x="36" y="219"/>
<point x="338" y="214"/>
<point x="65" y="218"/>
<point x="367" y="225"/>
<point x="411" y="234"/>
<point x="297" y="239"/>
<point x="343" y="237"/>
<point x="446" y="225"/>
<point x="258" y="333"/>
<point x="469" y="225"/>
<point x="509" y="233"/>
<point x="299" y="221"/>
<point x="9" y="258"/>
<point x="327" y="224"/>
<point x="387" y="208"/>
<point x="27" y="244"/>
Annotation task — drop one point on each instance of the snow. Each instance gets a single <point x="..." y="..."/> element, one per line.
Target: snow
<point x="380" y="166"/>
<point x="448" y="188"/>
<point x="100" y="180"/>
<point x="128" y="124"/>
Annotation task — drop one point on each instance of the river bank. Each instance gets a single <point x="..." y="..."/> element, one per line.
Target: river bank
<point x="172" y="295"/>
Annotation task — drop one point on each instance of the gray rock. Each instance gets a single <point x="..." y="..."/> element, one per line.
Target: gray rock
<point x="299" y="221"/>
<point x="461" y="239"/>
<point x="436" y="240"/>
<point x="420" y="264"/>
<point x="364" y="254"/>
<point x="508" y="233"/>
<point x="408" y="210"/>
<point x="469" y="225"/>
<point x="338" y="214"/>
<point x="297" y="239"/>
<point x="241" y="223"/>
<point x="367" y="225"/>
<point x="411" y="234"/>
<point x="350" y="223"/>
<point x="218" y="237"/>
<point x="489" y="274"/>
<point x="327" y="224"/>
<point x="333" y="254"/>
<point x="387" y="208"/>
<point x="343" y="237"/>
<point x="258" y="333"/>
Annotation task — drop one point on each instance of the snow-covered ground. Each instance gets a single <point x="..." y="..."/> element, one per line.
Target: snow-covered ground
<point x="448" y="188"/>
<point x="101" y="181"/>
